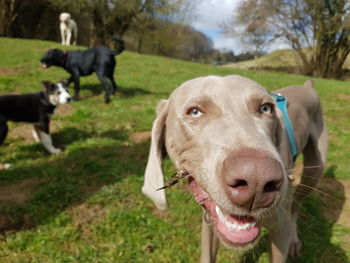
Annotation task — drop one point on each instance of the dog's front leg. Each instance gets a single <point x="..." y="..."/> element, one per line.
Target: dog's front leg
<point x="42" y="130"/>
<point x="3" y="130"/>
<point x="75" y="77"/>
<point x="46" y="140"/>
<point x="281" y="238"/>
<point x="35" y="134"/>
<point x="209" y="241"/>
<point x="69" y="36"/>
<point x="63" y="36"/>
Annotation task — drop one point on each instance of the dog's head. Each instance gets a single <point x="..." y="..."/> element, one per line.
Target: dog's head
<point x="54" y="57"/>
<point x="56" y="93"/>
<point x="65" y="17"/>
<point x="226" y="132"/>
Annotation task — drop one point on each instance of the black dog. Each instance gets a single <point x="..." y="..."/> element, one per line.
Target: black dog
<point x="84" y="62"/>
<point x="33" y="108"/>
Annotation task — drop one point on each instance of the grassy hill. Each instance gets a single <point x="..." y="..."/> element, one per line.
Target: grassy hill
<point x="275" y="60"/>
<point x="279" y="60"/>
<point x="85" y="204"/>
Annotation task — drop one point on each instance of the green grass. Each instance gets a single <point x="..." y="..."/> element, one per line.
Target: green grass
<point x="85" y="203"/>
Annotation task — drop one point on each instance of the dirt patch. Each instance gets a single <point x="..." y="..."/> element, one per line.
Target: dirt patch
<point x="5" y="71"/>
<point x="24" y="132"/>
<point x="160" y="214"/>
<point x="64" y="110"/>
<point x="18" y="193"/>
<point x="343" y="96"/>
<point x="140" y="137"/>
<point x="84" y="216"/>
<point x="136" y="107"/>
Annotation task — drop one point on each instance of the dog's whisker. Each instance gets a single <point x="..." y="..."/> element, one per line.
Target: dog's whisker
<point x="319" y="191"/>
<point x="307" y="176"/>
<point x="306" y="167"/>
<point x="300" y="206"/>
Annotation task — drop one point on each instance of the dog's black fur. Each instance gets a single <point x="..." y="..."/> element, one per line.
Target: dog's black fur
<point x="84" y="62"/>
<point x="33" y="108"/>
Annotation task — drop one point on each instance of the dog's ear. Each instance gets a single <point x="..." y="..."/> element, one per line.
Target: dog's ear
<point x="47" y="85"/>
<point x="63" y="82"/>
<point x="154" y="174"/>
<point x="309" y="83"/>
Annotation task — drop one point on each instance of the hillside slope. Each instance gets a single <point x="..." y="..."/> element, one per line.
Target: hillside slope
<point x="278" y="60"/>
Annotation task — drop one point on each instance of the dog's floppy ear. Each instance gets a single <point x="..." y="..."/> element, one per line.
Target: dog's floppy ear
<point x="47" y="85"/>
<point x="154" y="174"/>
<point x="309" y="83"/>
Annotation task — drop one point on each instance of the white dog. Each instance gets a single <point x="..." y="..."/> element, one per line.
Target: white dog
<point x="68" y="28"/>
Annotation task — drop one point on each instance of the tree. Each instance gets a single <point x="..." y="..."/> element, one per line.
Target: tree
<point x="9" y="10"/>
<point x="318" y="30"/>
<point x="115" y="17"/>
<point x="110" y="17"/>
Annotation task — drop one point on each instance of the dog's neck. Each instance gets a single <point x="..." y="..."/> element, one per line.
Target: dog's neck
<point x="44" y="99"/>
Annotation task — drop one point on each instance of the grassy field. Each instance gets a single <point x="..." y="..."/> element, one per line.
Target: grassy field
<point x="85" y="204"/>
<point x="285" y="60"/>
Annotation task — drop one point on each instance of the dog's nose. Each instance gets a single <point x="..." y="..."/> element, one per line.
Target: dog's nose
<point x="252" y="179"/>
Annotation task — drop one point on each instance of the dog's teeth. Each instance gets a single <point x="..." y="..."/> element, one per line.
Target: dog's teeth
<point x="219" y="213"/>
<point x="230" y="225"/>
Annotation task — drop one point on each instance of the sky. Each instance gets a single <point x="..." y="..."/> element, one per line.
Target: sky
<point x="209" y="15"/>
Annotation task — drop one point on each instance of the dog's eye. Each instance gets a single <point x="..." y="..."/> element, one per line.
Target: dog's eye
<point x="266" y="109"/>
<point x="59" y="93"/>
<point x="195" y="112"/>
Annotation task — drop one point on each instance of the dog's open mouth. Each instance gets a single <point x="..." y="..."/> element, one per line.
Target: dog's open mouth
<point x="234" y="230"/>
<point x="46" y="65"/>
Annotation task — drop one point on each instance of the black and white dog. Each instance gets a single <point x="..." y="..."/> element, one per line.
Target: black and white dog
<point x="35" y="108"/>
<point x="84" y="62"/>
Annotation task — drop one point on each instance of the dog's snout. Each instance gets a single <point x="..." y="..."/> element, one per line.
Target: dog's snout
<point x="252" y="179"/>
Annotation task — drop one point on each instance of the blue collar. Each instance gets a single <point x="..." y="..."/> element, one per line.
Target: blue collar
<point x="282" y="104"/>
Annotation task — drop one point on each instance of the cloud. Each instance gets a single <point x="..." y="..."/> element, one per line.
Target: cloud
<point x="210" y="14"/>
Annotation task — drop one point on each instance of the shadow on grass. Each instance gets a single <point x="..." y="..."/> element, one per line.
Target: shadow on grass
<point x="70" y="178"/>
<point x="132" y="91"/>
<point x="69" y="135"/>
<point x="97" y="89"/>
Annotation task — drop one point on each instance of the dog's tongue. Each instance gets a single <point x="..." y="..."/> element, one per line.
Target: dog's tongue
<point x="234" y="230"/>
